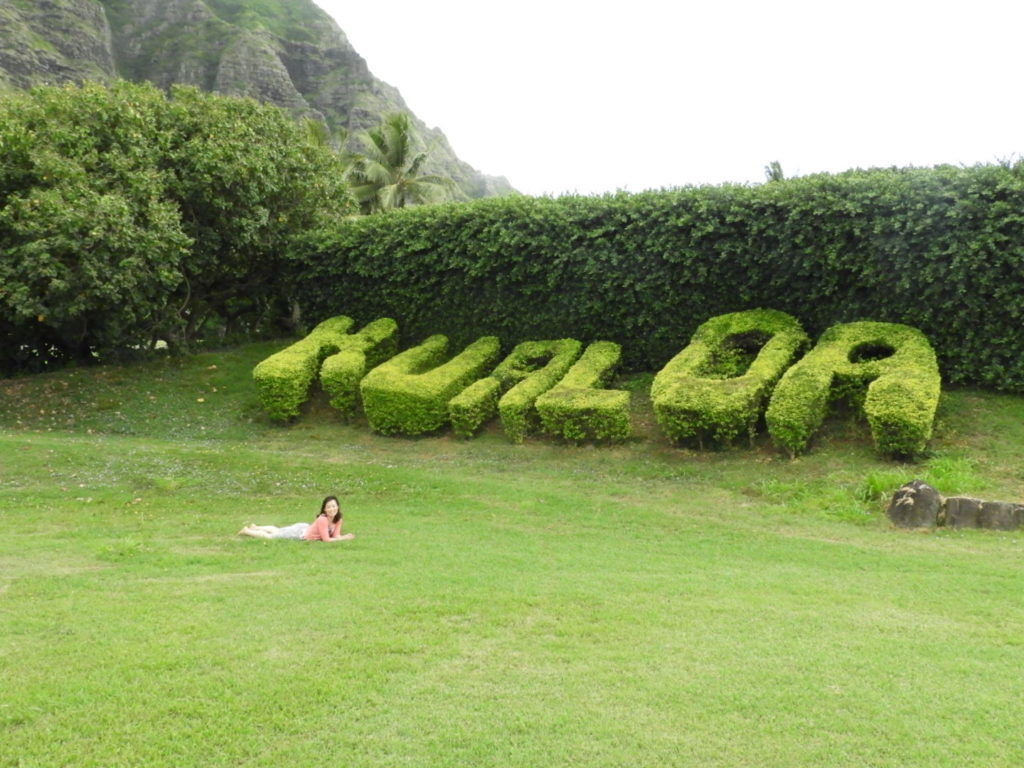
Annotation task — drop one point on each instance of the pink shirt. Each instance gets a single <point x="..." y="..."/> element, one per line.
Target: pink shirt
<point x="320" y="530"/>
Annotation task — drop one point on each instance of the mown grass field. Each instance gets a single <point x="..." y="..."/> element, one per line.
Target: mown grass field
<point x="502" y="605"/>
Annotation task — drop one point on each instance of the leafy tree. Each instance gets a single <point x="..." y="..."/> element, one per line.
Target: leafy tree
<point x="248" y="180"/>
<point x="387" y="174"/>
<point x="90" y="246"/>
<point x="127" y="215"/>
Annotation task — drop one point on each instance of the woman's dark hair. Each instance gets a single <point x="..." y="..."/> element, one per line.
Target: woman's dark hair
<point x="323" y="508"/>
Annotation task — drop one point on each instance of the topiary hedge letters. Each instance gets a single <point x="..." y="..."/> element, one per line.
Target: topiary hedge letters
<point x="715" y="389"/>
<point x="941" y="249"/>
<point x="531" y="369"/>
<point x="409" y="393"/>
<point x="579" y="407"/>
<point x="283" y="380"/>
<point x="887" y="369"/>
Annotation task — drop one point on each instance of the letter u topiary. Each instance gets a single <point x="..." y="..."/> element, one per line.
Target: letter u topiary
<point x="409" y="393"/>
<point x="887" y="368"/>
<point x="577" y="408"/>
<point x="717" y="386"/>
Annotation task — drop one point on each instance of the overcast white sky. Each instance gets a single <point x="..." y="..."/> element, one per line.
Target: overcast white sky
<point x="591" y="97"/>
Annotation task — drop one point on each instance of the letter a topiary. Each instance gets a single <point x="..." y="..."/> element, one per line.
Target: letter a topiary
<point x="577" y="408"/>
<point x="530" y="370"/>
<point x="517" y="406"/>
<point x="888" y="369"/>
<point x="409" y="394"/>
<point x="284" y="378"/>
<point x="717" y="386"/>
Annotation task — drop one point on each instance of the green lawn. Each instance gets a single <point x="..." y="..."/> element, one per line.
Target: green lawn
<point x="502" y="605"/>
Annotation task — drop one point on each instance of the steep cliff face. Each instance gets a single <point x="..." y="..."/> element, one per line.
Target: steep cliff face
<point x="287" y="52"/>
<point x="51" y="41"/>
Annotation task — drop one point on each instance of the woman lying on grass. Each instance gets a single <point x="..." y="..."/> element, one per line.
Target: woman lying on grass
<point x="326" y="527"/>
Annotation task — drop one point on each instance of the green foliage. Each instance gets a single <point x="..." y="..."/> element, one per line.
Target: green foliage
<point x="248" y="180"/>
<point x="532" y="369"/>
<point x="341" y="358"/>
<point x="387" y="175"/>
<point x="887" y="369"/>
<point x="409" y="394"/>
<point x="474" y="405"/>
<point x="283" y="379"/>
<point x="953" y="475"/>
<point x="937" y="248"/>
<point x="127" y="215"/>
<point x="91" y="250"/>
<point x="341" y="373"/>
<point x="773" y="171"/>
<point x="577" y="408"/>
<point x="716" y="388"/>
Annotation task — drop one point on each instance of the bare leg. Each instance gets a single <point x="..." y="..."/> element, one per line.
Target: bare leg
<point x="257" y="532"/>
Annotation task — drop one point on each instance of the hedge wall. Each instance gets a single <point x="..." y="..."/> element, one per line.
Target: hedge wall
<point x="939" y="249"/>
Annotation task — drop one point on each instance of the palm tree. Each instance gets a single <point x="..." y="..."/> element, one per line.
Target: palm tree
<point x="773" y="171"/>
<point x="387" y="174"/>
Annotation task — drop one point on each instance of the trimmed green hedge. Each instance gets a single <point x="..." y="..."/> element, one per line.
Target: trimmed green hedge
<point x="341" y="373"/>
<point x="531" y="369"/>
<point x="474" y="405"/>
<point x="887" y="369"/>
<point x="941" y="249"/>
<point x="517" y="406"/>
<point x="577" y="408"/>
<point x="716" y="388"/>
<point x="342" y="358"/>
<point x="409" y="393"/>
<point x="284" y="378"/>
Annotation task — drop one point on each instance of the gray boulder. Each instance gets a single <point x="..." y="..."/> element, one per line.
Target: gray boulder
<point x="963" y="512"/>
<point x="915" y="505"/>
<point x="1000" y="515"/>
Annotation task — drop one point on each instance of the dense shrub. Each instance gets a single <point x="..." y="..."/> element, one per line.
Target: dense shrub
<point x="474" y="405"/>
<point x="941" y="249"/>
<point x="577" y="408"/>
<point x="887" y="369"/>
<point x="530" y="369"/>
<point x="283" y="379"/>
<point x="128" y="215"/>
<point x="716" y="388"/>
<point x="409" y="393"/>
<point x="529" y="379"/>
<point x="341" y="373"/>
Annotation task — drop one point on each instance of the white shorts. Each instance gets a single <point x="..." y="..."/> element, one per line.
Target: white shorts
<point x="294" y="531"/>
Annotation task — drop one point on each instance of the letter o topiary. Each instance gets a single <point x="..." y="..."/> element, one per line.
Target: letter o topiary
<point x="717" y="386"/>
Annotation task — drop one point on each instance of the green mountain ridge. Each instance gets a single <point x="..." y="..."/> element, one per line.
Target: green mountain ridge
<point x="286" y="52"/>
